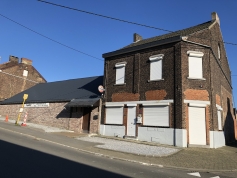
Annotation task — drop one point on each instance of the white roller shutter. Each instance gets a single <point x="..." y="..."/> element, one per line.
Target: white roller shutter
<point x="120" y="72"/>
<point x="197" y="126"/>
<point x="195" y="67"/>
<point x="156" y="116"/>
<point x="156" y="70"/>
<point x="114" y="115"/>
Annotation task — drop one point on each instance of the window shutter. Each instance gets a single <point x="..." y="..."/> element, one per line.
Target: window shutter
<point x="120" y="72"/>
<point x="156" y="70"/>
<point x="195" y="67"/>
<point x="114" y="115"/>
<point x="156" y="116"/>
<point x="219" y="120"/>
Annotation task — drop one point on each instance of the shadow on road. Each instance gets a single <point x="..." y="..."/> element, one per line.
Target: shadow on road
<point x="17" y="161"/>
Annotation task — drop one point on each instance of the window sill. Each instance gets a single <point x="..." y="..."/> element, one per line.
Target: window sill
<point x="155" y="80"/>
<point x="192" y="78"/>
<point x="120" y="84"/>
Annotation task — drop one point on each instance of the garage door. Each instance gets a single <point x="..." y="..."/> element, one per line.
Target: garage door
<point x="197" y="126"/>
<point x="156" y="116"/>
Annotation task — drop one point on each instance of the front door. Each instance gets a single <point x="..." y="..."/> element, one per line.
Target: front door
<point x="131" y="122"/>
<point x="197" y="126"/>
<point x="86" y="120"/>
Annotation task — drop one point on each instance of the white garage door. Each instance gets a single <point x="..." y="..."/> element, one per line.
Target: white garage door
<point x="197" y="126"/>
<point x="156" y="116"/>
<point x="114" y="115"/>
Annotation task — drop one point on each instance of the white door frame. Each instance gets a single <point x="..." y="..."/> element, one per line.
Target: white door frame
<point x="131" y="121"/>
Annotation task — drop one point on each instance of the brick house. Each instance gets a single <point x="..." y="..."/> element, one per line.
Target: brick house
<point x="173" y="89"/>
<point x="71" y="104"/>
<point x="16" y="77"/>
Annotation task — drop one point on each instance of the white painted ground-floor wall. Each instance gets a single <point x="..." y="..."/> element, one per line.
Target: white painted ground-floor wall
<point x="162" y="135"/>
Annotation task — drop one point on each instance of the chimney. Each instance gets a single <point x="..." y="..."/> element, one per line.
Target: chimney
<point x="13" y="59"/>
<point x="26" y="61"/>
<point x="136" y="37"/>
<point x="215" y="17"/>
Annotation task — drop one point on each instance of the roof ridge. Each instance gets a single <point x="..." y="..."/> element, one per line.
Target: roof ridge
<point x="185" y="31"/>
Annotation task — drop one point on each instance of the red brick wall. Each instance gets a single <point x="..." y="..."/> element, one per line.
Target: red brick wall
<point x="155" y="95"/>
<point x="193" y="94"/>
<point x="117" y="97"/>
<point x="12" y="85"/>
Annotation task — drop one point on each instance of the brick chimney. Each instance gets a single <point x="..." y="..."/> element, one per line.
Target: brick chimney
<point x="26" y="61"/>
<point x="13" y="59"/>
<point x="215" y="17"/>
<point x="136" y="37"/>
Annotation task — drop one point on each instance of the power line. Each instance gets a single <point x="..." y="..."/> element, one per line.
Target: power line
<point x="108" y="17"/>
<point x="121" y="20"/>
<point x="51" y="39"/>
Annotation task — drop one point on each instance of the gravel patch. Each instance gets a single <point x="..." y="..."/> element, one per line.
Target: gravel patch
<point x="129" y="147"/>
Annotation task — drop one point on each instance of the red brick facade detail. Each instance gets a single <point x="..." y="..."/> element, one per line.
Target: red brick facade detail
<point x="155" y="95"/>
<point x="192" y="94"/>
<point x="118" y="97"/>
<point x="218" y="100"/>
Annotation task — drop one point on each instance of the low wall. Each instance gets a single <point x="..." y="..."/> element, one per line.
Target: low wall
<point x="217" y="139"/>
<point x="168" y="136"/>
<point x="112" y="130"/>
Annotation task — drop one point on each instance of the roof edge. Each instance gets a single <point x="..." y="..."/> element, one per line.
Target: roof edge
<point x="143" y="46"/>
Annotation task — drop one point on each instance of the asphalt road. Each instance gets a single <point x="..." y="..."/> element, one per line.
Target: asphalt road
<point x="32" y="153"/>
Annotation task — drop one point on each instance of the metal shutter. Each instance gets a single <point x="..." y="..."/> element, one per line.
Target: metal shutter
<point x="156" y="70"/>
<point x="195" y="67"/>
<point x="114" y="115"/>
<point x="219" y="120"/>
<point x="156" y="116"/>
<point x="197" y="126"/>
<point x="120" y="71"/>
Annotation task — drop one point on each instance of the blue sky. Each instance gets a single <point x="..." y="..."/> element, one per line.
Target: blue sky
<point x="95" y="35"/>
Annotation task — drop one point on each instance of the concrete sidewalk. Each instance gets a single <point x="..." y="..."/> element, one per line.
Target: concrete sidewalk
<point x="221" y="159"/>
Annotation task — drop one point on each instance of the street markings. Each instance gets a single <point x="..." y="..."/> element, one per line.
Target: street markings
<point x="195" y="174"/>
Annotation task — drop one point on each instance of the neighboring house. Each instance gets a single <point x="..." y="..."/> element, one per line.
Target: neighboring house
<point x="173" y="89"/>
<point x="71" y="104"/>
<point x="16" y="77"/>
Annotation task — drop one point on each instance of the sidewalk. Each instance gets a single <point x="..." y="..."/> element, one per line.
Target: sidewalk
<point x="221" y="159"/>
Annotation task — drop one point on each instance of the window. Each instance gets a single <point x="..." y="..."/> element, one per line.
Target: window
<point x="114" y="115"/>
<point x="219" y="109"/>
<point x="195" y="65"/>
<point x="219" y="52"/>
<point x="120" y="73"/>
<point x="156" y="67"/>
<point x="156" y="115"/>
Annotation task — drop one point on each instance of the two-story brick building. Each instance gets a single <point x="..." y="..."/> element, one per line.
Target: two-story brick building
<point x="173" y="89"/>
<point x="16" y="77"/>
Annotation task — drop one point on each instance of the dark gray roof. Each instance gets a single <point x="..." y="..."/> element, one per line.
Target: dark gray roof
<point x="166" y="38"/>
<point x="83" y="102"/>
<point x="61" y="91"/>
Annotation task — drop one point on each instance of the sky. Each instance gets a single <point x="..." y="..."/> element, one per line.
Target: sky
<point x="57" y="39"/>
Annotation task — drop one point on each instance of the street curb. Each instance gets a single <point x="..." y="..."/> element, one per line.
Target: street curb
<point x="117" y="158"/>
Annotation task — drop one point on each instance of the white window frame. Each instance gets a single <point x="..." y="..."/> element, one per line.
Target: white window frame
<point x="156" y="67"/>
<point x="120" y="73"/>
<point x="195" y="65"/>
<point x="219" y="117"/>
<point x="219" y="51"/>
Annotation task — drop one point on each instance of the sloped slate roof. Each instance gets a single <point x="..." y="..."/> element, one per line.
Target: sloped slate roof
<point x="61" y="91"/>
<point x="150" y="41"/>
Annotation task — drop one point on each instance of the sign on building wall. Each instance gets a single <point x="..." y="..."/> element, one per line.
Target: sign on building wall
<point x="36" y="105"/>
